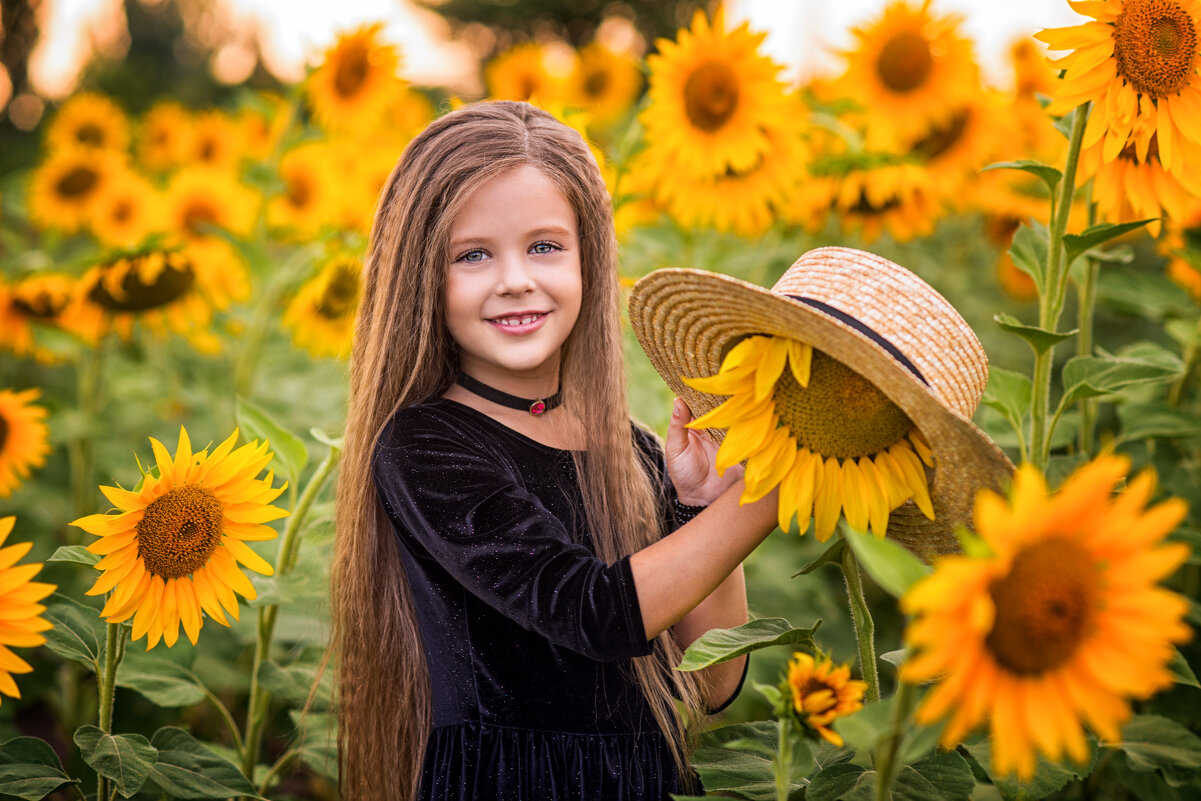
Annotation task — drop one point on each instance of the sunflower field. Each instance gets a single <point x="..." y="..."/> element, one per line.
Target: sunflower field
<point x="178" y="291"/>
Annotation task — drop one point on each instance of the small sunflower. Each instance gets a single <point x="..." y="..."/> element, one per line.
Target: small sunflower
<point x="713" y="96"/>
<point x="832" y="442"/>
<point x="128" y="212"/>
<point x="955" y="150"/>
<point x="165" y="137"/>
<point x="51" y="299"/>
<point x="1135" y="59"/>
<point x="90" y="121"/>
<point x="198" y="197"/>
<point x="822" y="693"/>
<point x="523" y="72"/>
<point x="24" y="439"/>
<point x="912" y="70"/>
<point x="171" y="552"/>
<point x="604" y="83"/>
<point x="1181" y="267"/>
<point x="1133" y="187"/>
<point x="999" y="230"/>
<point x="871" y="195"/>
<point x="311" y="191"/>
<point x="262" y="125"/>
<point x="66" y="187"/>
<point x="1060" y="624"/>
<point x="19" y="608"/>
<point x="355" y="81"/>
<point x="215" y="141"/>
<point x="322" y="314"/>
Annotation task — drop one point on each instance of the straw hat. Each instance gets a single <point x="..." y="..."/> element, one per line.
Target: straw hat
<point x="871" y="315"/>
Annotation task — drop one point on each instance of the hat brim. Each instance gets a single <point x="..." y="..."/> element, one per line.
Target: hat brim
<point x="686" y="320"/>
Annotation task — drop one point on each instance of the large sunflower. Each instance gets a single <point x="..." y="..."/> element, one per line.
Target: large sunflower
<point x="355" y="81"/>
<point x="1133" y="187"/>
<point x="822" y="693"/>
<point x="171" y="551"/>
<point x="21" y="621"/>
<point x="1060" y="624"/>
<point x="604" y="83"/>
<point x="1137" y="59"/>
<point x="712" y="97"/>
<point x="66" y="187"/>
<point x="911" y="70"/>
<point x="23" y="438"/>
<point x="322" y="314"/>
<point x="88" y="120"/>
<point x="832" y="442"/>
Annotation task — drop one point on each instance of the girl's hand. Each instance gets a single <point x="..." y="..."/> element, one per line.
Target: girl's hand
<point x="690" y="461"/>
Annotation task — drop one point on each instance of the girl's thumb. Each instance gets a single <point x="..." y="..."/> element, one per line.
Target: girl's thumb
<point x="677" y="434"/>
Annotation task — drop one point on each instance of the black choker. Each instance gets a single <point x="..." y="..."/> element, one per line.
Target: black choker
<point x="534" y="406"/>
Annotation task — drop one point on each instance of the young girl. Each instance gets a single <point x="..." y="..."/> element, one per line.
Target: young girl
<point x="516" y="571"/>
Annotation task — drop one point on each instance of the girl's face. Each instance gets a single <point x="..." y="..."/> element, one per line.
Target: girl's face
<point x="513" y="285"/>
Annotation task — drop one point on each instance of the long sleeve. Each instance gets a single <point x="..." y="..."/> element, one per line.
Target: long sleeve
<point x="459" y="504"/>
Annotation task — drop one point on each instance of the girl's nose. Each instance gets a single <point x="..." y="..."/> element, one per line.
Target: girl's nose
<point x="515" y="276"/>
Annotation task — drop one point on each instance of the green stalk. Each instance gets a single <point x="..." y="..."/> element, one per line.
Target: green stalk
<point x="1192" y="366"/>
<point x="114" y="651"/>
<point x="1050" y="303"/>
<point x="886" y="763"/>
<point x="81" y="450"/>
<point x="783" y="759"/>
<point x="285" y="560"/>
<point x="1084" y="340"/>
<point x="865" y="628"/>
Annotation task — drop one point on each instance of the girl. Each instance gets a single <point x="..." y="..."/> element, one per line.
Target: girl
<point x="507" y="607"/>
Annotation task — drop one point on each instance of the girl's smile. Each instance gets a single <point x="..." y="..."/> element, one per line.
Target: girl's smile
<point x="513" y="285"/>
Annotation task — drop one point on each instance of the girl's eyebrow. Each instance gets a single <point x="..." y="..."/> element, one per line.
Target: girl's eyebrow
<point x="543" y="231"/>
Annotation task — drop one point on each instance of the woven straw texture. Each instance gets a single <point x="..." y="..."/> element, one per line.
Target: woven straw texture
<point x="686" y="320"/>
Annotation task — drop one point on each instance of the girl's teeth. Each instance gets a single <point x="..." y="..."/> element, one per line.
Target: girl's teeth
<point x="529" y="318"/>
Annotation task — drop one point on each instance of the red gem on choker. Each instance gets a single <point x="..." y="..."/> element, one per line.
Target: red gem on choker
<point x="537" y="407"/>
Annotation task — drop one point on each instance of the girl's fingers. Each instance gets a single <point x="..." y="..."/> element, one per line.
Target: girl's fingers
<point x="677" y="434"/>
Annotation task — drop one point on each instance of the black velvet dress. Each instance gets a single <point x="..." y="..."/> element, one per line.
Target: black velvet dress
<point x="527" y="634"/>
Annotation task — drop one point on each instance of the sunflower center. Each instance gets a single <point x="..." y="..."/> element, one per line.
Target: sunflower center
<point x="122" y="211"/>
<point x="41" y="305"/>
<point x="812" y="686"/>
<point x="78" y="182"/>
<point x="179" y="531"/>
<point x="596" y="83"/>
<point x="341" y="294"/>
<point x="351" y="72"/>
<point x="840" y="413"/>
<point x="90" y="135"/>
<point x="3" y="432"/>
<point x="300" y="192"/>
<point x="905" y="61"/>
<point x="1155" y="45"/>
<point x="1044" y="607"/>
<point x="207" y="152"/>
<point x="197" y="213"/>
<point x="711" y="95"/>
<point x="169" y="284"/>
<point x="942" y="139"/>
<point x="865" y="206"/>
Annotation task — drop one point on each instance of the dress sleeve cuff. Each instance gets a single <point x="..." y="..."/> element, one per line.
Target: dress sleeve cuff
<point x="639" y="645"/>
<point x="741" y="681"/>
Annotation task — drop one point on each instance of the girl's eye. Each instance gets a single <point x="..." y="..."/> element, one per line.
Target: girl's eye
<point x="472" y="256"/>
<point x="543" y="248"/>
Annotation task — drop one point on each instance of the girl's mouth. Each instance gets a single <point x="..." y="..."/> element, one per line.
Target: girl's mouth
<point x="515" y="324"/>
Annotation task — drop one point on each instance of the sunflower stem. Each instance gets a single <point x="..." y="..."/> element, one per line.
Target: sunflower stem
<point x="1087" y="293"/>
<point x="114" y="651"/>
<point x="865" y="628"/>
<point x="1050" y="302"/>
<point x="783" y="761"/>
<point x="276" y="769"/>
<point x="886" y="762"/>
<point x="1192" y="366"/>
<point x="285" y="560"/>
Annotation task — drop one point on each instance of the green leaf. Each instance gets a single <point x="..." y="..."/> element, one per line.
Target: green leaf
<point x="187" y="769"/>
<point x="748" y="774"/>
<point x="1075" y="244"/>
<point x="863" y="730"/>
<point x="319" y="742"/>
<point x="1151" y="742"/>
<point x="842" y="782"/>
<point x="30" y="770"/>
<point x="832" y="555"/>
<point x="124" y="758"/>
<point x="941" y="777"/>
<point x="720" y="645"/>
<point x="1040" y="339"/>
<point x="947" y="772"/>
<point x="1155" y="420"/>
<point x="1048" y="777"/>
<point x="1029" y="253"/>
<point x="76" y="554"/>
<point x="1009" y="393"/>
<point x="1144" y="293"/>
<point x="1181" y="670"/>
<point x="895" y="658"/>
<point x="78" y="633"/>
<point x="165" y="683"/>
<point x="1050" y="175"/>
<point x="257" y="424"/>
<point x="1094" y="376"/>
<point x="918" y="742"/>
<point x="891" y="566"/>
<point x="327" y="439"/>
<point x="295" y="682"/>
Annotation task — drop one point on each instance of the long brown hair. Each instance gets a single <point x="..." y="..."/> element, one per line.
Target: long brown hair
<point x="403" y="354"/>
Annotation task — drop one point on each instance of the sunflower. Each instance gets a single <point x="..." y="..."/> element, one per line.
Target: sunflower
<point x="714" y="97"/>
<point x="523" y="72"/>
<point x="1182" y="266"/>
<point x="19" y="608"/>
<point x="171" y="552"/>
<point x="197" y="198"/>
<point x="954" y="151"/>
<point x="165" y="137"/>
<point x="310" y="193"/>
<point x="214" y="142"/>
<point x="262" y="125"/>
<point x="1060" y="624"/>
<point x="66" y="187"/>
<point x="1137" y="186"/>
<point x="51" y="299"/>
<point x="822" y="693"/>
<point x="1135" y="59"/>
<point x="870" y="194"/>
<point x="128" y="212"/>
<point x="911" y="69"/>
<point x="23" y="438"/>
<point x="355" y="80"/>
<point x="322" y="314"/>
<point x="999" y="230"/>
<point x="91" y="121"/>
<point x="604" y="83"/>
<point x="832" y="441"/>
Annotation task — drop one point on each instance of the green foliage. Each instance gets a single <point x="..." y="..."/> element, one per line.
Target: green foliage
<point x="126" y="759"/>
<point x="720" y="645"/>
<point x="942" y="777"/>
<point x="893" y="567"/>
<point x="185" y="768"/>
<point x="30" y="770"/>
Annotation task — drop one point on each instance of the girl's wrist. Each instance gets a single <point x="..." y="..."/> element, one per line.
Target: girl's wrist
<point x="685" y="511"/>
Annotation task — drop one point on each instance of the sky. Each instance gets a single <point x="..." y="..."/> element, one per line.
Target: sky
<point x="803" y="35"/>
